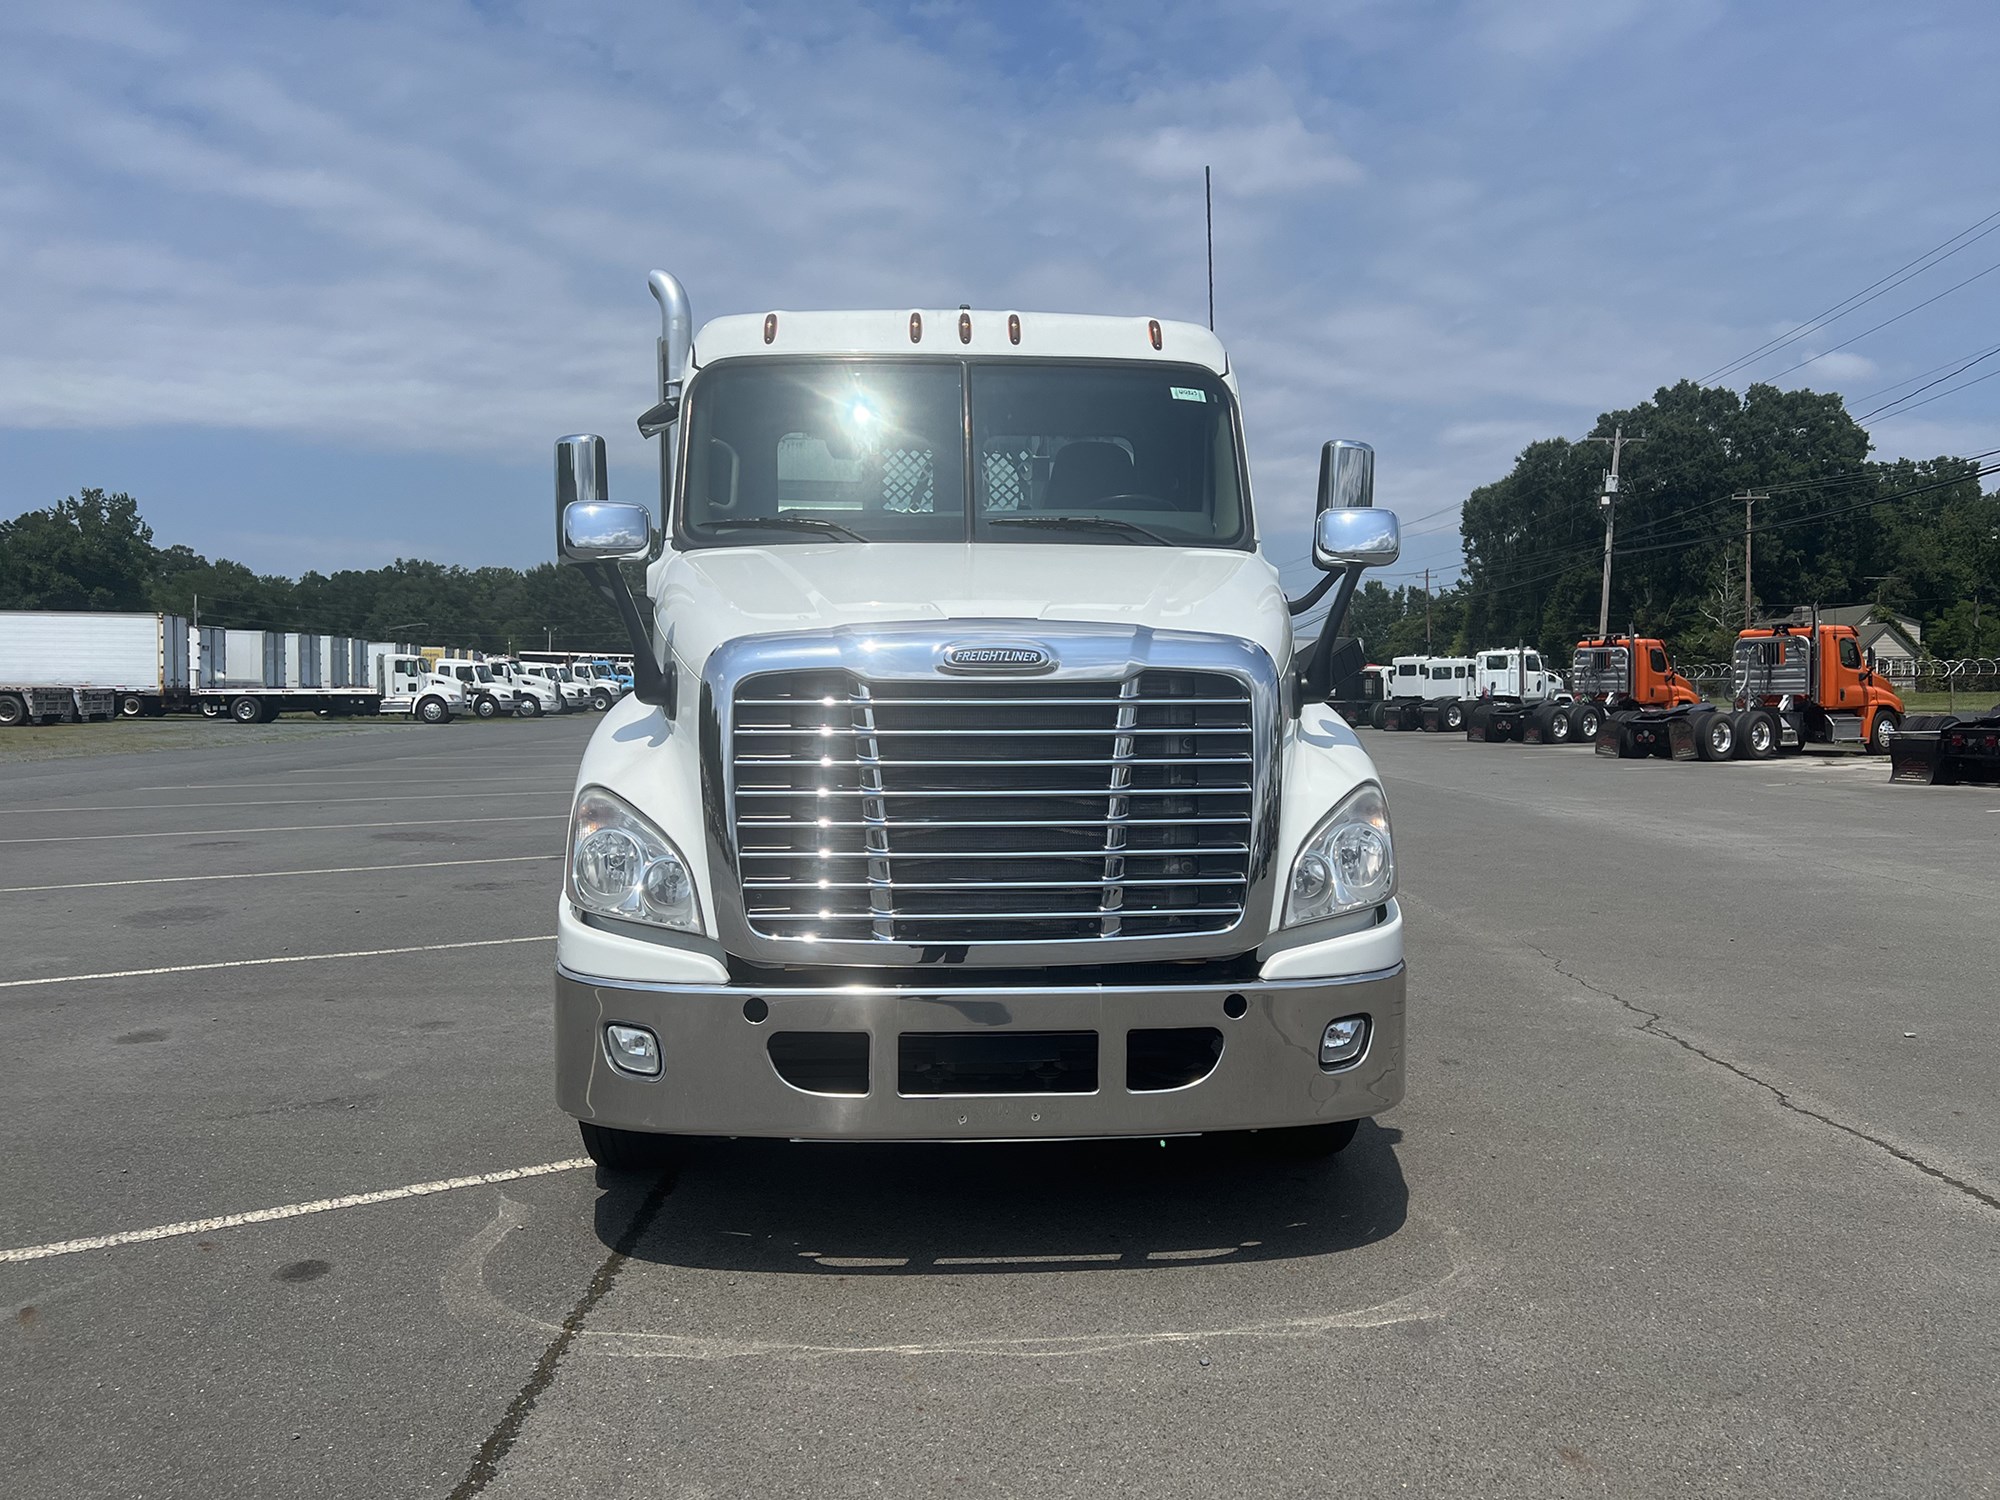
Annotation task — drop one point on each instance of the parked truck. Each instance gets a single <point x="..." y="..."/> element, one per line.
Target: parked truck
<point x="1513" y="688"/>
<point x="66" y="665"/>
<point x="1795" y="683"/>
<point x="967" y="800"/>
<point x="1947" y="749"/>
<point x="403" y="682"/>
<point x="252" y="676"/>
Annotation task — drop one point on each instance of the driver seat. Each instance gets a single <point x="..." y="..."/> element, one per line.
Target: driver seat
<point x="1086" y="473"/>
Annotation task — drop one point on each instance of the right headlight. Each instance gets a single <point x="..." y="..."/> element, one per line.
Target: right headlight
<point x="1348" y="863"/>
<point x="620" y="865"/>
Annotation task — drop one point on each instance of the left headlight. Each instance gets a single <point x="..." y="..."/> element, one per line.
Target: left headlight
<point x="1347" y="864"/>
<point x="620" y="865"/>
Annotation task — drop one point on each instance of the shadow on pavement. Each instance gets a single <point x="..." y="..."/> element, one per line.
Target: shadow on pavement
<point x="770" y="1206"/>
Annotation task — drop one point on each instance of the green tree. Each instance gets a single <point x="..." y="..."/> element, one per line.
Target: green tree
<point x="90" y="551"/>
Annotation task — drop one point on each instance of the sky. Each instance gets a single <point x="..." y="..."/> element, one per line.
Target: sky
<point x="320" y="283"/>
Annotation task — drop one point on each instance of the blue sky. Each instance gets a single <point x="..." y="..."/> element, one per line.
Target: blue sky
<point x="320" y="283"/>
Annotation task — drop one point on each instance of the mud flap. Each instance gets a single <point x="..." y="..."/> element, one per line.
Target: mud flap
<point x="1476" y="718"/>
<point x="1680" y="743"/>
<point x="1432" y="718"/>
<point x="1611" y="737"/>
<point x="1916" y="751"/>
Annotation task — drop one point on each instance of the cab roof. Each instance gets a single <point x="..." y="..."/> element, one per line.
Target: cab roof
<point x="957" y="332"/>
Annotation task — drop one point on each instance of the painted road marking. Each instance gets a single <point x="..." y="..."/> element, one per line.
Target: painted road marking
<point x="271" y="802"/>
<point x="422" y="864"/>
<point x="255" y="963"/>
<point x="195" y="833"/>
<point x="288" y="1211"/>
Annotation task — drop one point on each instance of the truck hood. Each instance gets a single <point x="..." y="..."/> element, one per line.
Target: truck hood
<point x="709" y="597"/>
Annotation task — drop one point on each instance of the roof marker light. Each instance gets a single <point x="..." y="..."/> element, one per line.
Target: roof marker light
<point x="965" y="328"/>
<point x="1153" y="331"/>
<point x="1013" y="328"/>
<point x="916" y="328"/>
<point x="770" y="327"/>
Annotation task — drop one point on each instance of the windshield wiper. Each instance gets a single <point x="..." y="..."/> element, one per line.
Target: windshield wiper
<point x="1085" y="523"/>
<point x="782" y="523"/>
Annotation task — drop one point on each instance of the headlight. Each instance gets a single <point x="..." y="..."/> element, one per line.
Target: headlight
<point x="620" y="865"/>
<point x="1347" y="864"/>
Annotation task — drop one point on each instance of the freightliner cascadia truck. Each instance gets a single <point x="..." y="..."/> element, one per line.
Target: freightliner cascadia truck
<point x="973" y="786"/>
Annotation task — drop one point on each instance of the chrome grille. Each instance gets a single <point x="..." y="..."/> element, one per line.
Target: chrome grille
<point x="967" y="812"/>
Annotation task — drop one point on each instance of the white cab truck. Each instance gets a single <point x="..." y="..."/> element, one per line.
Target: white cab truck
<point x="534" y="695"/>
<point x="1518" y="697"/>
<point x="575" y="693"/>
<point x="65" y="665"/>
<point x="972" y="787"/>
<point x="1428" y="692"/>
<point x="402" y="679"/>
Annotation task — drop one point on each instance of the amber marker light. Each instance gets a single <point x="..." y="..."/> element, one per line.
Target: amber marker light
<point x="916" y="328"/>
<point x="770" y="327"/>
<point x="1153" y="331"/>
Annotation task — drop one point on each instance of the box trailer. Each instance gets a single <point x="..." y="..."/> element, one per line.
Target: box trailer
<point x="74" y="664"/>
<point x="255" y="675"/>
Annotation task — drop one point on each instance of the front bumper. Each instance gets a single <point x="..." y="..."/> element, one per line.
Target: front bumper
<point x="719" y="1078"/>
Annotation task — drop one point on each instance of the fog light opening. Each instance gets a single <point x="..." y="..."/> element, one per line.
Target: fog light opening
<point x="1343" y="1042"/>
<point x="633" y="1049"/>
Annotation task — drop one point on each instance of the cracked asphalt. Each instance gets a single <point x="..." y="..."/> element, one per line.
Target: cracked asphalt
<point x="1696" y="1190"/>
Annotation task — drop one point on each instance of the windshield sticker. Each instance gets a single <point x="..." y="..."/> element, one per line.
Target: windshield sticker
<point x="1185" y="393"/>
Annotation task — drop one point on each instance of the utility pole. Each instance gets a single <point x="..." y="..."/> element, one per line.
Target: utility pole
<point x="1607" y="502"/>
<point x="1749" y="499"/>
<point x="550" y="643"/>
<point x="1427" y="611"/>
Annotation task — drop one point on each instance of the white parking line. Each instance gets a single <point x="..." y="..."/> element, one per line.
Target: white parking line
<point x="270" y="802"/>
<point x="258" y="963"/>
<point x="413" y="864"/>
<point x="191" y="833"/>
<point x="288" y="1211"/>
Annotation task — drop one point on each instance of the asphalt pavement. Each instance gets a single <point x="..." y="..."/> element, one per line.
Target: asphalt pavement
<point x="1696" y="1190"/>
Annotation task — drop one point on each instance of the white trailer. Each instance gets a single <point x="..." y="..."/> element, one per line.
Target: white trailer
<point x="255" y="675"/>
<point x="75" y="664"/>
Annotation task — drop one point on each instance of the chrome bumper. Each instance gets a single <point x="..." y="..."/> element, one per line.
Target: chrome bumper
<point x="719" y="1079"/>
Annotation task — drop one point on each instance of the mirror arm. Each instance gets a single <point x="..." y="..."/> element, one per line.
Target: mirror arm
<point x="1312" y="595"/>
<point x="1316" y="683"/>
<point x="650" y="685"/>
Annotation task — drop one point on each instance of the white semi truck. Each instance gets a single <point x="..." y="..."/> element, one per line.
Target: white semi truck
<point x="972" y="786"/>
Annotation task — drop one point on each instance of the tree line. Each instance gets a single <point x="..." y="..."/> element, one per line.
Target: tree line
<point x="1830" y="528"/>
<point x="94" y="551"/>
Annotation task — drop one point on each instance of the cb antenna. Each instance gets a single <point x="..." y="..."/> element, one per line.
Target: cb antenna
<point x="1208" y="208"/>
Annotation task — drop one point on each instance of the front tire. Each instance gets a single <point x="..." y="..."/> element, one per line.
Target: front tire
<point x="601" y="701"/>
<point x="1454" y="717"/>
<point x="633" y="1151"/>
<point x="1882" y="731"/>
<point x="486" y="708"/>
<point x="530" y="709"/>
<point x="432" y="711"/>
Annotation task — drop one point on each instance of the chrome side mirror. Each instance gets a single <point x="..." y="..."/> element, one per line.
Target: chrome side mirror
<point x="1346" y="476"/>
<point x="594" y="529"/>
<point x="580" y="479"/>
<point x="1365" y="538"/>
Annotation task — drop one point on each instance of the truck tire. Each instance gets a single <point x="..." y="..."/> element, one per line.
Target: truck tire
<point x="131" y="706"/>
<point x="1585" y="720"/>
<point x="210" y="709"/>
<point x="1882" y="731"/>
<point x="486" y="708"/>
<point x="12" y="710"/>
<point x="247" y="710"/>
<point x="1757" y="734"/>
<point x="633" y="1150"/>
<point x="1379" y="716"/>
<point x="1715" y="737"/>
<point x="432" y="710"/>
<point x="601" y="700"/>
<point x="531" y="708"/>
<point x="1454" y="717"/>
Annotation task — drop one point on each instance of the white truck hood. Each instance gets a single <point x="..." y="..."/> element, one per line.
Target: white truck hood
<point x="712" y="596"/>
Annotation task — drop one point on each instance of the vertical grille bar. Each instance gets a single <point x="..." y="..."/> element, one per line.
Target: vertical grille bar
<point x="874" y="814"/>
<point x="1113" y="898"/>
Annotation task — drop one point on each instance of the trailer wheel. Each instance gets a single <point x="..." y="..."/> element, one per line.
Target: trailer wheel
<point x="1756" y="734"/>
<point x="210" y="709"/>
<point x="634" y="1150"/>
<point x="1585" y="720"/>
<point x="131" y="706"/>
<point x="246" y="710"/>
<point x="432" y="710"/>
<point x="1715" y="737"/>
<point x="12" y="710"/>
<point x="1454" y="717"/>
<point x="1882" y="731"/>
<point x="486" y="708"/>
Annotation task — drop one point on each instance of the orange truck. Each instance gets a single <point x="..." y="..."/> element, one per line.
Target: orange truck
<point x="1794" y="684"/>
<point x="1623" y="674"/>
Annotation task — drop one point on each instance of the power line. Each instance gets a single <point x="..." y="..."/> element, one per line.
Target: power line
<point x="1861" y="298"/>
<point x="1887" y="321"/>
<point x="1969" y="360"/>
<point x="1953" y="391"/>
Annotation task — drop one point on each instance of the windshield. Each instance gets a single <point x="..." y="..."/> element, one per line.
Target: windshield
<point x="876" y="450"/>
